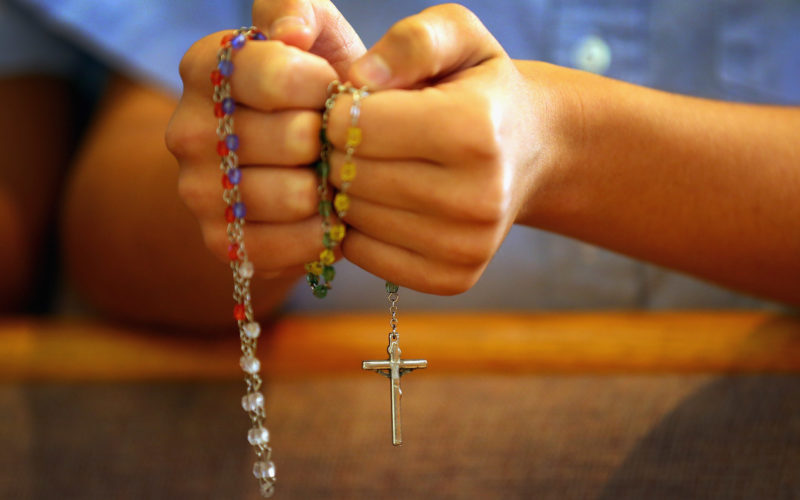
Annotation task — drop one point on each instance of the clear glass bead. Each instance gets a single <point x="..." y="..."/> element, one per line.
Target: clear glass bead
<point x="252" y="329"/>
<point x="246" y="269"/>
<point x="258" y="435"/>
<point x="264" y="470"/>
<point x="252" y="401"/>
<point x="250" y="364"/>
<point x="267" y="490"/>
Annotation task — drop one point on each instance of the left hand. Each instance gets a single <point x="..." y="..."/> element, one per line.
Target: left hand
<point x="441" y="170"/>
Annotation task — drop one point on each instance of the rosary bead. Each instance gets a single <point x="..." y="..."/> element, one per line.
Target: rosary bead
<point x="226" y="182"/>
<point x="257" y="35"/>
<point x="342" y="202"/>
<point x="218" y="112"/>
<point x="391" y="287"/>
<point x="348" y="172"/>
<point x="238" y="41"/>
<point x="228" y="106"/>
<point x="232" y="141"/>
<point x="252" y="329"/>
<point x="233" y="251"/>
<point x="216" y="77"/>
<point x="337" y="232"/>
<point x="264" y="470"/>
<point x="326" y="257"/>
<point x="325" y="208"/>
<point x="320" y="291"/>
<point x="353" y="137"/>
<point x="328" y="272"/>
<point x="267" y="490"/>
<point x="234" y="174"/>
<point x="246" y="269"/>
<point x="229" y="217"/>
<point x="222" y="148"/>
<point x="226" y="39"/>
<point x="250" y="364"/>
<point x="253" y="401"/>
<point x="312" y="279"/>
<point x="314" y="267"/>
<point x="225" y="68"/>
<point x="322" y="169"/>
<point x="239" y="210"/>
<point x="258" y="435"/>
<point x="239" y="312"/>
<point x="327" y="241"/>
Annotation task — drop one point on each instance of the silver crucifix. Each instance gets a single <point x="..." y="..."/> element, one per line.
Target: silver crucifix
<point x="394" y="368"/>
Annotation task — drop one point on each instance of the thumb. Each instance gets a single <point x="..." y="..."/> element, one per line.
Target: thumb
<point x="433" y="44"/>
<point x="311" y="25"/>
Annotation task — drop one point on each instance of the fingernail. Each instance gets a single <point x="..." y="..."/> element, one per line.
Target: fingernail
<point x="372" y="71"/>
<point x="286" y="24"/>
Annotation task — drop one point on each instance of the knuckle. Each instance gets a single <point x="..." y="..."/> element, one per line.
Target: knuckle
<point x="492" y="203"/>
<point x="456" y="282"/>
<point x="301" y="195"/>
<point x="216" y="241"/>
<point x="277" y="76"/>
<point x="302" y="137"/>
<point x="186" y="138"/>
<point x="194" y="191"/>
<point x="414" y="36"/>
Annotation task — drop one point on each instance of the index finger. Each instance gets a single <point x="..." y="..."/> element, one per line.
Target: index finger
<point x="267" y="75"/>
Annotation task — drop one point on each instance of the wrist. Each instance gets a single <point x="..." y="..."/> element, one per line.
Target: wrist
<point x="558" y="142"/>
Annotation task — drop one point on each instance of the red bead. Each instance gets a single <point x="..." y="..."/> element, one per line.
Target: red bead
<point x="229" y="217"/>
<point x="233" y="251"/>
<point x="239" y="312"/>
<point x="226" y="183"/>
<point x="216" y="77"/>
<point x="226" y="39"/>
<point x="222" y="148"/>
<point x="218" y="111"/>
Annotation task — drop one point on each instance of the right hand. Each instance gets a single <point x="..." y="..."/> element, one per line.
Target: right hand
<point x="279" y="91"/>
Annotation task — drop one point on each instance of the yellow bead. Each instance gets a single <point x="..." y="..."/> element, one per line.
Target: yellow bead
<point x="314" y="267"/>
<point x="337" y="232"/>
<point x="326" y="257"/>
<point x="341" y="202"/>
<point x="353" y="137"/>
<point x="348" y="172"/>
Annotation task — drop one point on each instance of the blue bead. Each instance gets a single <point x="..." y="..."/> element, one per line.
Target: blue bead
<point x="259" y="36"/>
<point x="228" y="105"/>
<point x="238" y="42"/>
<point x="235" y="175"/>
<point x="232" y="141"/>
<point x="225" y="68"/>
<point x="239" y="210"/>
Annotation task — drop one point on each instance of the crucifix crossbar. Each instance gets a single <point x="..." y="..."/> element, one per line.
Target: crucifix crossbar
<point x="394" y="368"/>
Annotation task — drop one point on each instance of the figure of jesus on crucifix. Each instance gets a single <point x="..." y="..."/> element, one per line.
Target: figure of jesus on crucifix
<point x="394" y="368"/>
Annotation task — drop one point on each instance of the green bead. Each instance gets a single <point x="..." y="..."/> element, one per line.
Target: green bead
<point x="320" y="291"/>
<point x="391" y="287"/>
<point x="325" y="208"/>
<point x="312" y="279"/>
<point x="327" y="241"/>
<point x="328" y="272"/>
<point x="323" y="138"/>
<point x="323" y="169"/>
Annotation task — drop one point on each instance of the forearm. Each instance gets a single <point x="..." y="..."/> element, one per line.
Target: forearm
<point x="706" y="187"/>
<point x="131" y="246"/>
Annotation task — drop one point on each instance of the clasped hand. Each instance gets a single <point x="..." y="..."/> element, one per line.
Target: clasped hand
<point x="442" y="169"/>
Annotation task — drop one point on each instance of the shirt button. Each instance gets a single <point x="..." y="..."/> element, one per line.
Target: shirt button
<point x="592" y="54"/>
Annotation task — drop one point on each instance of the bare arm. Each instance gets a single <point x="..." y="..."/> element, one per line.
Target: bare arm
<point x="706" y="187"/>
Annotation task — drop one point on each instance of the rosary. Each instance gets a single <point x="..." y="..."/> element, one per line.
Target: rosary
<point x="320" y="273"/>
